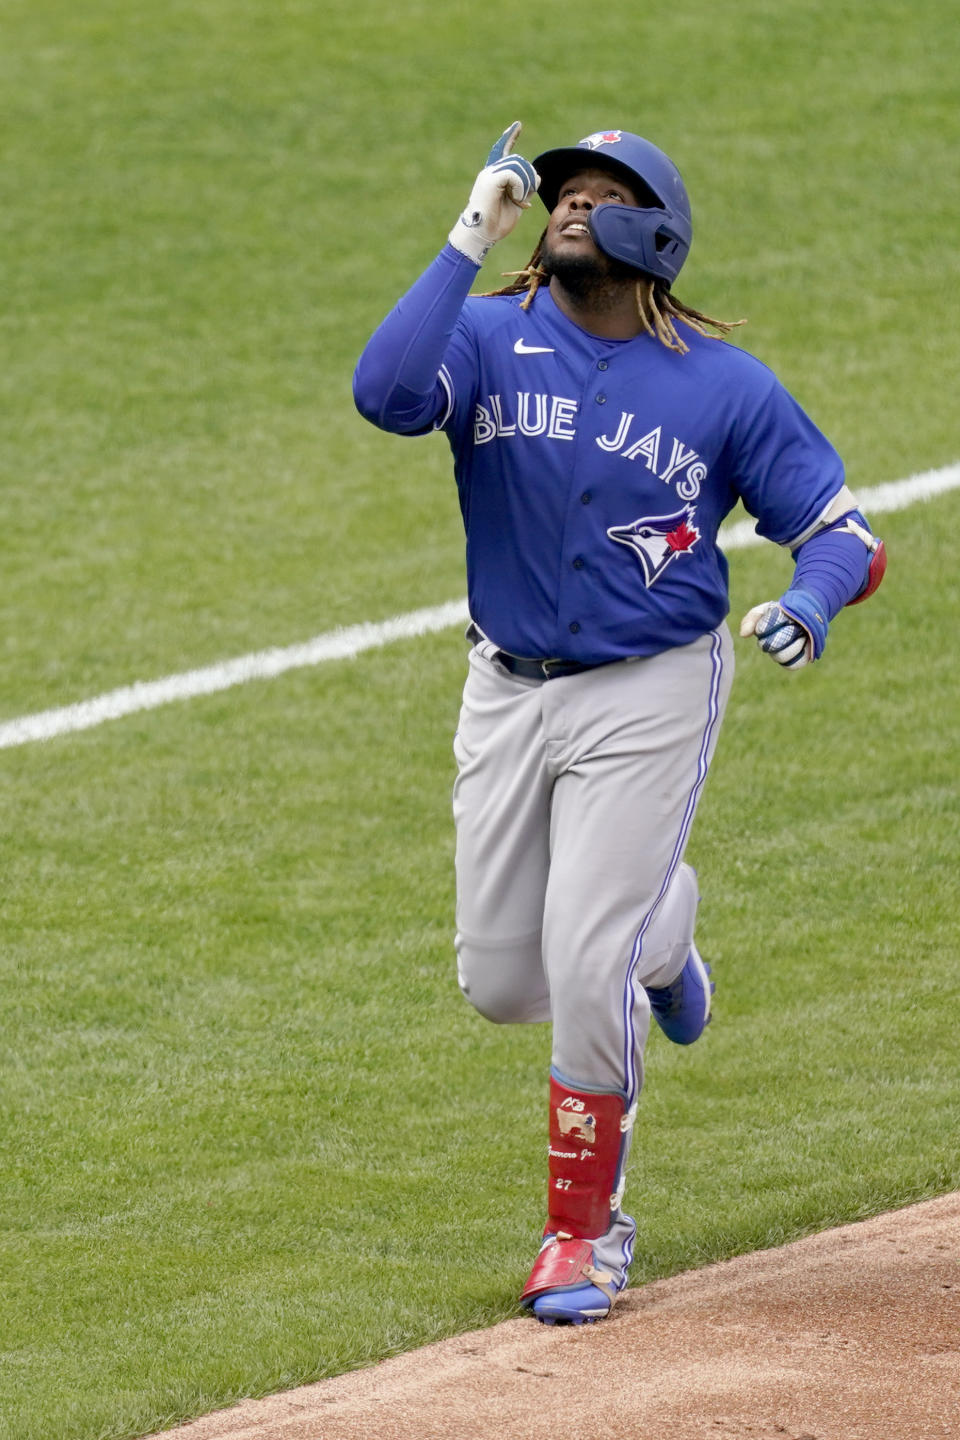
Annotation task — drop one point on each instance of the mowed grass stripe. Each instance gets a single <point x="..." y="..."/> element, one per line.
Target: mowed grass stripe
<point x="349" y="641"/>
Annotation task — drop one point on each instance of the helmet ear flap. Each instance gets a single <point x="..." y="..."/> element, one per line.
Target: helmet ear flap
<point x="652" y="240"/>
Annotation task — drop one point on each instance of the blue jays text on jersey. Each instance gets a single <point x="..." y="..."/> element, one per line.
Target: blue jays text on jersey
<point x="593" y="474"/>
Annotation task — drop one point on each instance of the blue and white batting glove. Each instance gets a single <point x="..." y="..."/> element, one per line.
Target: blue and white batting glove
<point x="791" y="630"/>
<point x="501" y="190"/>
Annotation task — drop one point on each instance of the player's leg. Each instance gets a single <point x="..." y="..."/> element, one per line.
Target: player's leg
<point x="501" y="804"/>
<point x="631" y="752"/>
<point x="675" y="975"/>
<point x="669" y="937"/>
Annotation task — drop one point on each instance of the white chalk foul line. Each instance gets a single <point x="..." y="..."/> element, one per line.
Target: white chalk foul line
<point x="261" y="665"/>
<point x="895" y="495"/>
<point x="354" y="639"/>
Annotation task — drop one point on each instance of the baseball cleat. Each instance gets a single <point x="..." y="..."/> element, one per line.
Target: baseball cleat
<point x="565" y="1287"/>
<point x="682" y="1010"/>
<point x="582" y="1306"/>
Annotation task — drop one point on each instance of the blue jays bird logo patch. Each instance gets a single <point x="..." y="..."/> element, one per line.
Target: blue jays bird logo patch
<point x="602" y="137"/>
<point x="657" y="540"/>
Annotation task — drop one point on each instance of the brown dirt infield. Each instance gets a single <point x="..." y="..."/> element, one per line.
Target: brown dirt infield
<point x="852" y="1334"/>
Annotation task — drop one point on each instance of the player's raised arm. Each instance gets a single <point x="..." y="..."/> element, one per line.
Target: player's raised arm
<point x="397" y="383"/>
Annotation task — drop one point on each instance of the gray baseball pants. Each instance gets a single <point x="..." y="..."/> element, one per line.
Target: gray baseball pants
<point x="573" y="803"/>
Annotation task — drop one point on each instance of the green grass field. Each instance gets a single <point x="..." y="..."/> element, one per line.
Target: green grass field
<point x="250" y="1135"/>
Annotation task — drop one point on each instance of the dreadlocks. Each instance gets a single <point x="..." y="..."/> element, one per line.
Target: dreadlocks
<point x="657" y="307"/>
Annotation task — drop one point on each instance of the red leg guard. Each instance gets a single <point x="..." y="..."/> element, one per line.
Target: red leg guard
<point x="566" y="1264"/>
<point x="587" y="1140"/>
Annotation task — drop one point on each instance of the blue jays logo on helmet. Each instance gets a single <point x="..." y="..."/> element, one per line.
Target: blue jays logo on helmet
<point x="653" y="236"/>
<point x="602" y="137"/>
<point x="657" y="540"/>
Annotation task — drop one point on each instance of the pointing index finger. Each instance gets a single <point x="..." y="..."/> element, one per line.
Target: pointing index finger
<point x="506" y="142"/>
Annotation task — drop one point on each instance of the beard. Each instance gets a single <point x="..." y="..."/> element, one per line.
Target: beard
<point x="593" y="278"/>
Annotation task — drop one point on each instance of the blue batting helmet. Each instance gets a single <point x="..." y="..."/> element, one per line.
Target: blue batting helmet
<point x="656" y="235"/>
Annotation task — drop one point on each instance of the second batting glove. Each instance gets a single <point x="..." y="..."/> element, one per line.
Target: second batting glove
<point x="791" y="630"/>
<point x="501" y="190"/>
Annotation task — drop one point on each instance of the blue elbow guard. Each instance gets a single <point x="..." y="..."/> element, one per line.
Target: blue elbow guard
<point x="878" y="562"/>
<point x="840" y="565"/>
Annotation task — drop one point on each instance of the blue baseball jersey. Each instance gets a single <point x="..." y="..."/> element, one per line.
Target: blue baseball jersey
<point x="593" y="474"/>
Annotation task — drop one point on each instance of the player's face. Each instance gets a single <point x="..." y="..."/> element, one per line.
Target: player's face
<point x="567" y="234"/>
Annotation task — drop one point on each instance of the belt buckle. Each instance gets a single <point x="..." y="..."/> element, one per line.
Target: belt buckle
<point x="546" y="667"/>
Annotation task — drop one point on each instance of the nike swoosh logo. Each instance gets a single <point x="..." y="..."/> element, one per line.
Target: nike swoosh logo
<point x="521" y="349"/>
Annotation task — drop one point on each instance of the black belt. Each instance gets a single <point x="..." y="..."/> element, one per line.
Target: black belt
<point x="528" y="669"/>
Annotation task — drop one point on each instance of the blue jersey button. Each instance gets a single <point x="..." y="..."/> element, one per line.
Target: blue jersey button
<point x="585" y="498"/>
<point x="601" y="399"/>
<point x="574" y="627"/>
<point x="601" y="365"/>
<point x="578" y="563"/>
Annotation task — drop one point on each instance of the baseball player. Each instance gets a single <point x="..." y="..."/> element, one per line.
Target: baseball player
<point x="601" y="430"/>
